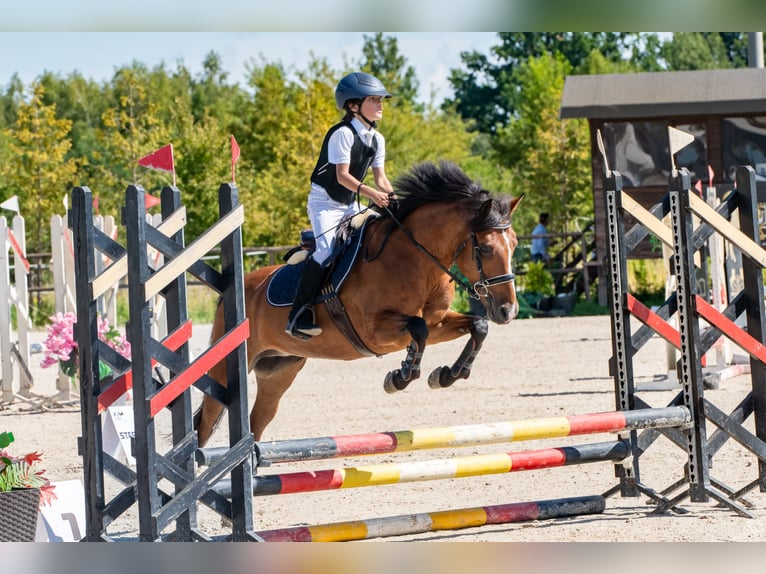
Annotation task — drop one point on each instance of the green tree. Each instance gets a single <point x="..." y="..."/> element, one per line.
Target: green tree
<point x="704" y="51"/>
<point x="10" y="101"/>
<point x="131" y="129"/>
<point x="382" y="59"/>
<point x="82" y="102"/>
<point x="486" y="92"/>
<point x="36" y="167"/>
<point x="547" y="156"/>
<point x="289" y="121"/>
<point x="212" y="95"/>
<point x="202" y="162"/>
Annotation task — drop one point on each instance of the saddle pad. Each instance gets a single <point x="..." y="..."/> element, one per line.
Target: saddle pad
<point x="283" y="284"/>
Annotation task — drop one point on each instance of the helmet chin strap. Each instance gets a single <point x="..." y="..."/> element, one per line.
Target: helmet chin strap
<point x="371" y="123"/>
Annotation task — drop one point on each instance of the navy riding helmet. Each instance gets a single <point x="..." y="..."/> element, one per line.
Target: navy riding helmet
<point x="357" y="86"/>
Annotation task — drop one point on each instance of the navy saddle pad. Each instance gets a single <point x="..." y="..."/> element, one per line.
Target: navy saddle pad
<point x="283" y="284"/>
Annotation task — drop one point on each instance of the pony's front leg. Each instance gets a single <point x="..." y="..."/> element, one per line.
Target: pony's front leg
<point x="445" y="376"/>
<point x="399" y="379"/>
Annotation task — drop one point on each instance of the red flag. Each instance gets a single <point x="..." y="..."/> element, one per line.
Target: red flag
<point x="710" y="175"/>
<point x="698" y="187"/>
<point x="234" y="157"/>
<point x="150" y="200"/>
<point x="162" y="159"/>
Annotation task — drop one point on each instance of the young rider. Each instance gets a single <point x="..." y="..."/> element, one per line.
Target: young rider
<point x="349" y="149"/>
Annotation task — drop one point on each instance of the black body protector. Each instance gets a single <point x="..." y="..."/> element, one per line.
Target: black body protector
<point x="324" y="173"/>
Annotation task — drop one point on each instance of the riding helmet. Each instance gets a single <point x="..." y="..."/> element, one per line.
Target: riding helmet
<point x="357" y="86"/>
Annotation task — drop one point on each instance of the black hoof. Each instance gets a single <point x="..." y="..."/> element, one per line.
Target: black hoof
<point x="394" y="382"/>
<point x="440" y="378"/>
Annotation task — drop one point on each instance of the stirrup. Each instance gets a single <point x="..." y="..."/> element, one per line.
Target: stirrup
<point x="303" y="332"/>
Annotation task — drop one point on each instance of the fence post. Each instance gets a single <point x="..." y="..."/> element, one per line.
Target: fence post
<point x="21" y="302"/>
<point x="62" y="260"/>
<point x="5" y="314"/>
<point x="14" y="295"/>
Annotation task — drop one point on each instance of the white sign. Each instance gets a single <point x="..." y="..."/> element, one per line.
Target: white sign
<point x="64" y="519"/>
<point x="119" y="429"/>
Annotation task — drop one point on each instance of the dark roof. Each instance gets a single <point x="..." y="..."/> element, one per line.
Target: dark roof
<point x="665" y="94"/>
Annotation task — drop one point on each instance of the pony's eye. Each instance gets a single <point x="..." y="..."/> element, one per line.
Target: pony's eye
<point x="486" y="249"/>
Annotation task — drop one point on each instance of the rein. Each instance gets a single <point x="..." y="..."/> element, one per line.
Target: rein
<point x="478" y="289"/>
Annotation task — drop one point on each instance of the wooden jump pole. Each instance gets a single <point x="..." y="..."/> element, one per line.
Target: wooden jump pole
<point x="461" y="467"/>
<point x="458" y="436"/>
<point x="436" y="521"/>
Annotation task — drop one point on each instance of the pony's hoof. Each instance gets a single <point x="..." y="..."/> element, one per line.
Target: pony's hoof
<point x="394" y="382"/>
<point x="440" y="378"/>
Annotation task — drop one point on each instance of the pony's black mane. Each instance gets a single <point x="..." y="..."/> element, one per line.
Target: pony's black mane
<point x="446" y="182"/>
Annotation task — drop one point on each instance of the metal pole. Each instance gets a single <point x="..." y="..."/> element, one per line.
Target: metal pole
<point x="755" y="49"/>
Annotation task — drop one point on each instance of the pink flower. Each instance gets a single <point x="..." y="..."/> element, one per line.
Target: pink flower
<point x="60" y="346"/>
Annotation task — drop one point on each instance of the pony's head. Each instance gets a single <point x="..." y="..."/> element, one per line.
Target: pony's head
<point x="485" y="256"/>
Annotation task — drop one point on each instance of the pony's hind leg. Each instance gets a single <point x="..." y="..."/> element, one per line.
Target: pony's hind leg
<point x="273" y="375"/>
<point x="399" y="379"/>
<point x="445" y="376"/>
<point x="206" y="419"/>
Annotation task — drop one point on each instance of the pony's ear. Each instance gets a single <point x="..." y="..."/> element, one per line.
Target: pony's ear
<point x="515" y="202"/>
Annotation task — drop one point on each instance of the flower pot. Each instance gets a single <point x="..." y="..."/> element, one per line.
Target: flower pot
<point x="565" y="302"/>
<point x="545" y="303"/>
<point x="18" y="515"/>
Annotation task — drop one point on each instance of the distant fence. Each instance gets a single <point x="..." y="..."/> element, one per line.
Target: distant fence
<point x="573" y="262"/>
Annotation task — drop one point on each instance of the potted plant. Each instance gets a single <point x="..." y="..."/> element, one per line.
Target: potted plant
<point x="60" y="346"/>
<point x="539" y="288"/>
<point x="23" y="489"/>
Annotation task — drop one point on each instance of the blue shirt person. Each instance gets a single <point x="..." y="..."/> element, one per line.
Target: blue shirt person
<point x="539" y="241"/>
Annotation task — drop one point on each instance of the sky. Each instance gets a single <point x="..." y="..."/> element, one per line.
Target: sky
<point x="97" y="55"/>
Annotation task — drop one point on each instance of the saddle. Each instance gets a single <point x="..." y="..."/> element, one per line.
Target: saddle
<point x="283" y="284"/>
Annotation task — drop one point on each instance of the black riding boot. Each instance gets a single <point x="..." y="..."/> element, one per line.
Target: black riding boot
<point x="301" y="320"/>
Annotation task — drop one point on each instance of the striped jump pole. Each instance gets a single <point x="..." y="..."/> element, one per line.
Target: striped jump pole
<point x="461" y="467"/>
<point x="458" y="436"/>
<point x="435" y="521"/>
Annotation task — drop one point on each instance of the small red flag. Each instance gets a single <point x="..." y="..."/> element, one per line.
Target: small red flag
<point x="162" y="159"/>
<point x="234" y="157"/>
<point x="698" y="186"/>
<point x="150" y="200"/>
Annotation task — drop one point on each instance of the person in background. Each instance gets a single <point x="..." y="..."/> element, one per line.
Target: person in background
<point x="539" y="241"/>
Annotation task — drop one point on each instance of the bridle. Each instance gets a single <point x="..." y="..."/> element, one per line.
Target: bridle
<point x="481" y="287"/>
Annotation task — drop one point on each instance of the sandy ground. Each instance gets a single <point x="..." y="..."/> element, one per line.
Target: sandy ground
<point x="530" y="369"/>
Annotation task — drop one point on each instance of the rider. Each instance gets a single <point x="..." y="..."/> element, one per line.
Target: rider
<point x="349" y="149"/>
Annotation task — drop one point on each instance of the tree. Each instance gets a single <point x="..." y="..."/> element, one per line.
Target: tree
<point x="289" y="120"/>
<point x="81" y="101"/>
<point x="704" y="51"/>
<point x="132" y="128"/>
<point x="212" y="96"/>
<point x="382" y="59"/>
<point x="202" y="161"/>
<point x="486" y="92"/>
<point x="36" y="168"/>
<point x="547" y="156"/>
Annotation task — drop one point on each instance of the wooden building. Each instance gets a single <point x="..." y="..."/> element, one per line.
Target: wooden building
<point x="725" y="110"/>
